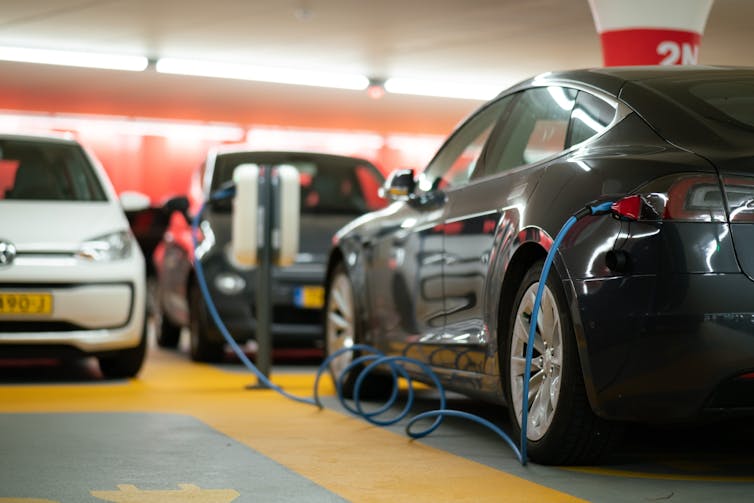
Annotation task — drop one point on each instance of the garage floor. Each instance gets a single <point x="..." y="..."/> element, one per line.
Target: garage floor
<point x="185" y="432"/>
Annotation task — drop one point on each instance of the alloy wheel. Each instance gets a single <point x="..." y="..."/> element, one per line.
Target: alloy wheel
<point x="546" y="366"/>
<point x="341" y="321"/>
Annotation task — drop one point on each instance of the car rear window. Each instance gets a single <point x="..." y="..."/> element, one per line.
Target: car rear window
<point x="45" y="171"/>
<point x="331" y="185"/>
<point x="727" y="100"/>
<point x="734" y="100"/>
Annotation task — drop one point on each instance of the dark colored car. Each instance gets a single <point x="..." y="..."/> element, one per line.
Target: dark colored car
<point x="334" y="190"/>
<point x="649" y="320"/>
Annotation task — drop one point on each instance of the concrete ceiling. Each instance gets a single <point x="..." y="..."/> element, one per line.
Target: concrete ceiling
<point x="486" y="41"/>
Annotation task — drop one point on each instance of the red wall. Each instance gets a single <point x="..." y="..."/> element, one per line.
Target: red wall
<point x="151" y="130"/>
<point x="159" y="157"/>
<point x="157" y="166"/>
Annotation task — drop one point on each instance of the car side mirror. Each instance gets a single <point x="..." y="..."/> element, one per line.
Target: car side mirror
<point x="133" y="201"/>
<point x="399" y="186"/>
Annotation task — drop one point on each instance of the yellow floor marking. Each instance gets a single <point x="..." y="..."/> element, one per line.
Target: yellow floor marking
<point x="345" y="455"/>
<point x="609" y="472"/>
<point x="188" y="493"/>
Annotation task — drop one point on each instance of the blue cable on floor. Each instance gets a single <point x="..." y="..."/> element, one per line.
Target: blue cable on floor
<point x="396" y="364"/>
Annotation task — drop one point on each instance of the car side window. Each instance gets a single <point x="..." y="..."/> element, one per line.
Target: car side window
<point x="590" y="117"/>
<point x="536" y="128"/>
<point x="457" y="159"/>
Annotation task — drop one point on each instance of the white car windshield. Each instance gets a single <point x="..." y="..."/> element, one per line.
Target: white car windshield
<point x="33" y="170"/>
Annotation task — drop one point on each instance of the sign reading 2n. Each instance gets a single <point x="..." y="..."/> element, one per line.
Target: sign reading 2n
<point x="678" y="53"/>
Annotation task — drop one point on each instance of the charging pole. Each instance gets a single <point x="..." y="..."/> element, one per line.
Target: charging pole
<point x="264" y="273"/>
<point x="265" y="228"/>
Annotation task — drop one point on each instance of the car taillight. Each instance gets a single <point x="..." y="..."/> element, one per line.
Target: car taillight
<point x="740" y="194"/>
<point x="689" y="197"/>
<point x="695" y="198"/>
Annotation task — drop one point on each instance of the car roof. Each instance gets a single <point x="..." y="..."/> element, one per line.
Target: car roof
<point x="612" y="79"/>
<point x="50" y="138"/>
<point x="660" y="96"/>
<point x="236" y="149"/>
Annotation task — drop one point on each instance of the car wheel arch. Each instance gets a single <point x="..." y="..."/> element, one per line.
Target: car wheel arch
<point x="174" y="280"/>
<point x="519" y="263"/>
<point x="522" y="259"/>
<point x="336" y="257"/>
<point x="188" y="283"/>
<point x="349" y="254"/>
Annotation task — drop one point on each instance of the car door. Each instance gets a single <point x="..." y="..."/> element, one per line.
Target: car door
<point x="402" y="271"/>
<point x="488" y="210"/>
<point x="417" y="282"/>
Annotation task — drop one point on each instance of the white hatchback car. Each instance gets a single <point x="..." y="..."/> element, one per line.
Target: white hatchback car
<point x="72" y="276"/>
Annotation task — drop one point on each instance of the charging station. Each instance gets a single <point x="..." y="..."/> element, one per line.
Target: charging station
<point x="265" y="234"/>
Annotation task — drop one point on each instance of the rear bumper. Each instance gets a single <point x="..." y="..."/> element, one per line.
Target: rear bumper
<point x="293" y="325"/>
<point x="666" y="348"/>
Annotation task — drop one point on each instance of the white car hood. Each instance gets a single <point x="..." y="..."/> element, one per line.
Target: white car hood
<point x="51" y="226"/>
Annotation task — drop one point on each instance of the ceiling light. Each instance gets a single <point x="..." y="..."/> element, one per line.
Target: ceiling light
<point x="69" y="58"/>
<point x="101" y="125"/>
<point x="479" y="92"/>
<point x="262" y="74"/>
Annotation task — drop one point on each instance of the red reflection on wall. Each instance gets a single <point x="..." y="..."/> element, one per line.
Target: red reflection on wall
<point x="159" y="158"/>
<point x="157" y="166"/>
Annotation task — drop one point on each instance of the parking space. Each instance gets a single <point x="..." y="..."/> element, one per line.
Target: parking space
<point x="194" y="432"/>
<point x="543" y="218"/>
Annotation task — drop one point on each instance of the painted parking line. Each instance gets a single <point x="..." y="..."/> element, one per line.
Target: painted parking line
<point x="634" y="474"/>
<point x="344" y="455"/>
<point x="187" y="493"/>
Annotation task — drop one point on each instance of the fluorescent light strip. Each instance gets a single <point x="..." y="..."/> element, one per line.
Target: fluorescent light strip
<point x="103" y="125"/>
<point x="70" y="58"/>
<point x="398" y="85"/>
<point x="261" y="74"/>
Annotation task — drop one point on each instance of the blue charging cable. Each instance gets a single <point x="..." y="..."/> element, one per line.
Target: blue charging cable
<point x="587" y="210"/>
<point x="373" y="358"/>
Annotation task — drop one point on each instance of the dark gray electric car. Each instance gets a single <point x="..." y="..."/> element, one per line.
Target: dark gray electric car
<point x="646" y="316"/>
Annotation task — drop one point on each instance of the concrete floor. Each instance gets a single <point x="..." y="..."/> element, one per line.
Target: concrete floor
<point x="185" y="432"/>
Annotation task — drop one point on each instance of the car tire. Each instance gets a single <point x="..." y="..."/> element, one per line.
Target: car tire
<point x="168" y="333"/>
<point x="126" y="362"/>
<point x="201" y="348"/>
<point x="561" y="426"/>
<point x="343" y="328"/>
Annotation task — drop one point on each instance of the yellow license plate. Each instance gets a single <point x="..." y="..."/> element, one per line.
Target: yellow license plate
<point x="25" y="303"/>
<point x="309" y="297"/>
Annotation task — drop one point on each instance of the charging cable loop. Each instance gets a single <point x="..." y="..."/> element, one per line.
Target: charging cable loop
<point x="364" y="364"/>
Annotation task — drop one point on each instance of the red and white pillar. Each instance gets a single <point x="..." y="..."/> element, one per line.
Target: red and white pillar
<point x="650" y="32"/>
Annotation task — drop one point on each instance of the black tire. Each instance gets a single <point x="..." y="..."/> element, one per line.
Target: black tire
<point x="201" y="347"/>
<point x="126" y="362"/>
<point x="168" y="333"/>
<point x="343" y="327"/>
<point x="562" y="428"/>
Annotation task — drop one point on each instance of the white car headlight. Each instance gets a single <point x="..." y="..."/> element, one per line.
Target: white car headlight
<point x="114" y="246"/>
